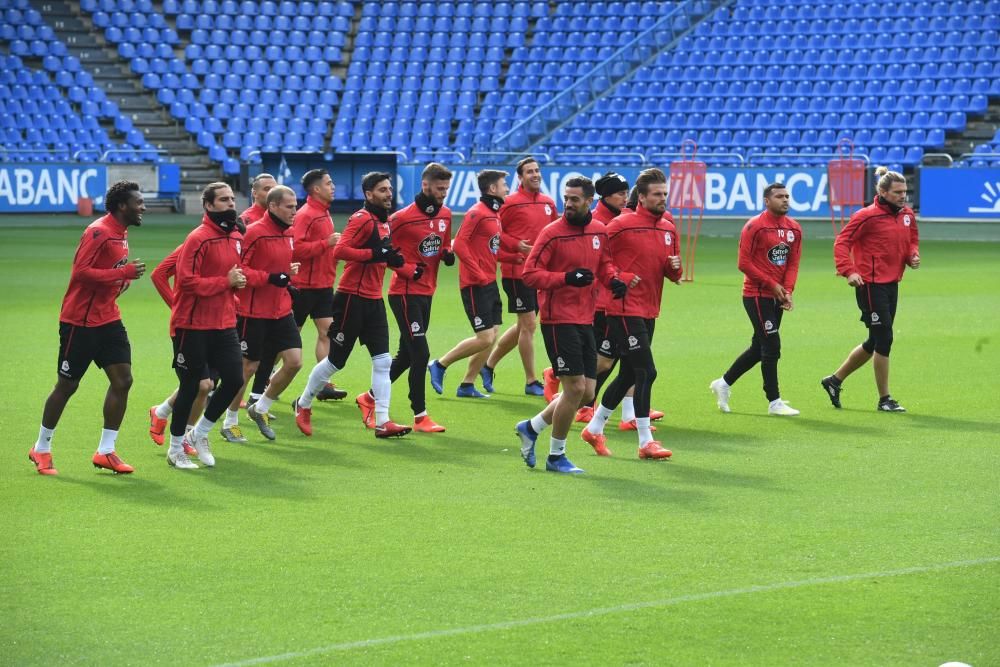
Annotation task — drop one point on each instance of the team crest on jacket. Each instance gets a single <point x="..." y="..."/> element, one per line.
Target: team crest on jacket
<point x="442" y="225"/>
<point x="597" y="243"/>
<point x="790" y="236"/>
<point x="430" y="245"/>
<point x="668" y="238"/>
<point x="548" y="210"/>
<point x="906" y="220"/>
<point x="239" y="248"/>
<point x="495" y="244"/>
<point x="778" y="255"/>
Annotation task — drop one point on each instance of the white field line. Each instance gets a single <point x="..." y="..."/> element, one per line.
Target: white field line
<point x="603" y="611"/>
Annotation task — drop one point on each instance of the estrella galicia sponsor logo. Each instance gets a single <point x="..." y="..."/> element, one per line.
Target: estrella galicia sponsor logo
<point x="430" y="246"/>
<point x="778" y="255"/>
<point x="495" y="244"/>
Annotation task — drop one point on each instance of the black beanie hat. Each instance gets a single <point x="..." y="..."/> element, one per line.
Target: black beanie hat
<point x="610" y="183"/>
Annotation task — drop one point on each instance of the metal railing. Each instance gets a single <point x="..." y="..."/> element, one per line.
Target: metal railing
<point x="608" y="73"/>
<point x="977" y="156"/>
<point x="704" y="157"/>
<point x="938" y="156"/>
<point x="757" y="155"/>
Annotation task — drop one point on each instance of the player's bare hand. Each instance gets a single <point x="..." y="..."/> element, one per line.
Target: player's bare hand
<point x="236" y="277"/>
<point x="779" y="293"/>
<point x="294" y="268"/>
<point x="914" y="261"/>
<point x="635" y="281"/>
<point x="332" y="240"/>
<point x="523" y="247"/>
<point x="675" y="262"/>
<point x="854" y="280"/>
<point x="140" y="267"/>
<point x="787" y="304"/>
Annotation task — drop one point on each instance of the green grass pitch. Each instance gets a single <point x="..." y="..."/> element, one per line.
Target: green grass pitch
<point x="835" y="538"/>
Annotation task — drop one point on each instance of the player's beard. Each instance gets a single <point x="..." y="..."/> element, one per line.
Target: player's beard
<point x="578" y="219"/>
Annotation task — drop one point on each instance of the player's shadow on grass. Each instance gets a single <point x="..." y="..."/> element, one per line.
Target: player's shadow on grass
<point x="948" y="423"/>
<point x="317" y="453"/>
<point x="438" y="448"/>
<point x="837" y="427"/>
<point x="701" y="476"/>
<point x="132" y="488"/>
<point x="690" y="439"/>
<point x="630" y="490"/>
<point x="245" y="477"/>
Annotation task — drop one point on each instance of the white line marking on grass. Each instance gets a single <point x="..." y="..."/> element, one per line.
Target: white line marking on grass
<point x="603" y="611"/>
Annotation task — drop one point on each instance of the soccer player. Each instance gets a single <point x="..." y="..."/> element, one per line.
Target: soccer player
<point x="264" y="315"/>
<point x="644" y="243"/>
<point x="872" y="251"/>
<point x="204" y="322"/>
<point x="770" y="248"/>
<point x="422" y="232"/>
<point x="478" y="247"/>
<point x="315" y="239"/>
<point x="159" y="414"/>
<point x="523" y="216"/>
<point x="564" y="262"/>
<point x="91" y="329"/>
<point x="358" y="308"/>
<point x="259" y="187"/>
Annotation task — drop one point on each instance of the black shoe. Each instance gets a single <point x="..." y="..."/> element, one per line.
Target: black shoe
<point x="331" y="393"/>
<point x="890" y="405"/>
<point x="832" y="388"/>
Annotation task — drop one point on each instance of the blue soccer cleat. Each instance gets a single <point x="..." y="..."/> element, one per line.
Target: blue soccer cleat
<point x="470" y="392"/>
<point x="562" y="464"/>
<point x="523" y="430"/>
<point x="437" y="375"/>
<point x="534" y="389"/>
<point x="487" y="375"/>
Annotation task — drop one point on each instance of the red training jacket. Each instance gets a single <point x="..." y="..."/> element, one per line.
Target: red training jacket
<point x="267" y="249"/>
<point x="770" y="248"/>
<point x="164" y="271"/>
<point x="421" y="240"/>
<point x="253" y="214"/>
<point x="478" y="247"/>
<point x="522" y="217"/>
<point x="100" y="273"/>
<point x="876" y="244"/>
<point x="604" y="215"/>
<point x="203" y="298"/>
<point x="361" y="276"/>
<point x="562" y="247"/>
<point x="642" y="243"/>
<point x="311" y="227"/>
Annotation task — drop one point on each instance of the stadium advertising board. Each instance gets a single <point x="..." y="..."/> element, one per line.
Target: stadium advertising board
<point x="960" y="193"/>
<point x="50" y="188"/>
<point x="729" y="192"/>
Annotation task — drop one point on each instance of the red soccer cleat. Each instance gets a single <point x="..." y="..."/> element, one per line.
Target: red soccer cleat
<point x="631" y="426"/>
<point x="157" y="426"/>
<point x="655" y="415"/>
<point x="653" y="450"/>
<point x="188" y="449"/>
<point x="113" y="463"/>
<point x="585" y="414"/>
<point x="43" y="462"/>
<point x="551" y="384"/>
<point x="391" y="429"/>
<point x="366" y="403"/>
<point x="303" y="418"/>
<point x="597" y="441"/>
<point x="426" y="425"/>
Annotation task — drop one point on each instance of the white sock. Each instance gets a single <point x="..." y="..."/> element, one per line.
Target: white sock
<point x="201" y="429"/>
<point x="263" y="404"/>
<point x="164" y="409"/>
<point x="645" y="434"/>
<point x="381" y="387"/>
<point x="108" y="438"/>
<point x="175" y="444"/>
<point x="600" y="418"/>
<point x="557" y="447"/>
<point x="318" y="377"/>
<point x="232" y="418"/>
<point x="422" y="414"/>
<point x="44" y="443"/>
<point x="538" y="423"/>
<point x="628" y="409"/>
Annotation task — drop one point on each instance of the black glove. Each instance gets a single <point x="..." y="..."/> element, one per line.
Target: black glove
<point x="293" y="291"/>
<point x="448" y="257"/>
<point x="382" y="250"/>
<point x="394" y="259"/>
<point x="579" y="277"/>
<point x="279" y="279"/>
<point x="417" y="272"/>
<point x="618" y="288"/>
